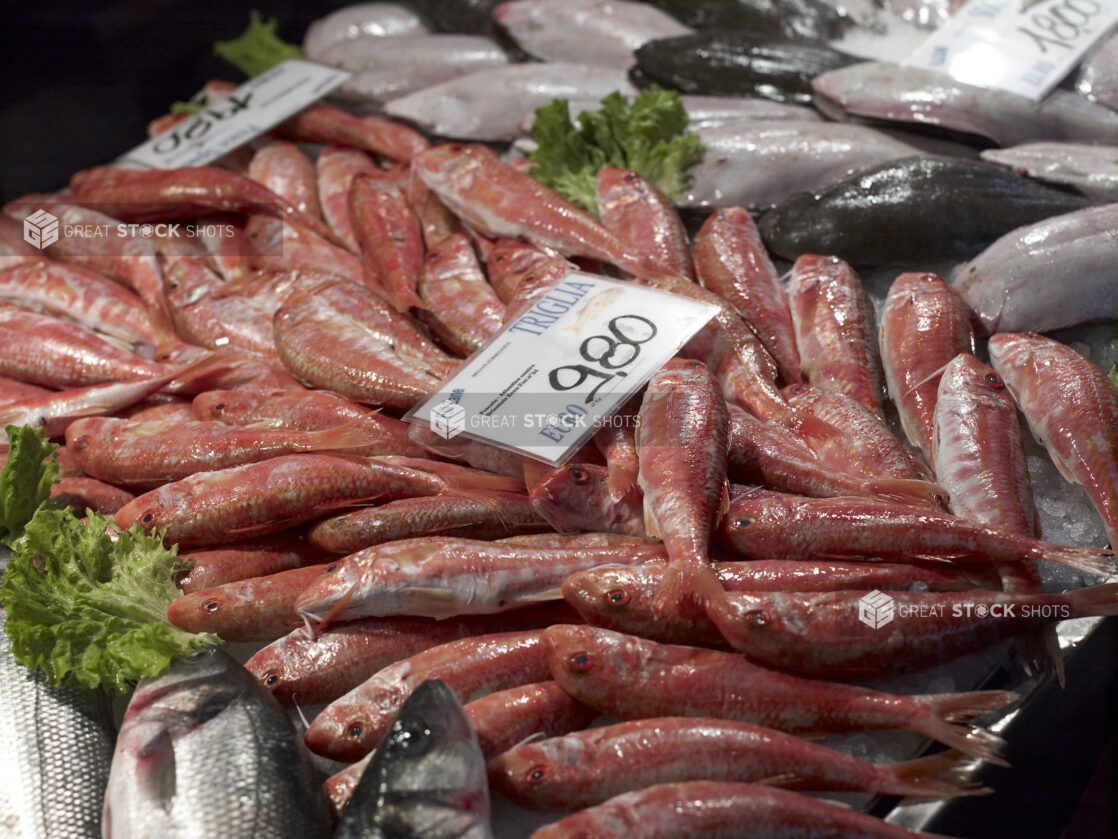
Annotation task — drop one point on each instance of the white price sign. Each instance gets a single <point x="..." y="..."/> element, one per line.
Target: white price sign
<point x="554" y="376"/>
<point x="1020" y="46"/>
<point x="243" y="115"/>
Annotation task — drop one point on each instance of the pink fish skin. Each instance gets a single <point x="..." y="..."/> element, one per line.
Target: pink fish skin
<point x="724" y="809"/>
<point x="462" y="308"/>
<point x="577" y="498"/>
<point x="924" y="325"/>
<point x="390" y="238"/>
<point x="822" y="636"/>
<point x="638" y="213"/>
<point x="282" y="246"/>
<point x="351" y="726"/>
<point x="375" y="134"/>
<point x="512" y="261"/>
<point x="335" y="169"/>
<point x="252" y="559"/>
<point x="499" y="200"/>
<point x="316" y="669"/>
<point x="681" y="438"/>
<point x="634" y="678"/>
<point x="89" y="493"/>
<point x="13" y="390"/>
<point x="289" y="173"/>
<point x="1071" y="408"/>
<point x="13" y="249"/>
<point x="584" y="768"/>
<point x="492" y="515"/>
<point x="621" y="597"/>
<point x="731" y="261"/>
<point x="771" y="525"/>
<point x="834" y="322"/>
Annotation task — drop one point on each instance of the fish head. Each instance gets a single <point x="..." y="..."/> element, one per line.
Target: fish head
<point x="1011" y="351"/>
<point x="800" y="394"/>
<point x="747" y="620"/>
<point x="154" y="509"/>
<point x="275" y="665"/>
<point x="226" y="405"/>
<point x="323" y="601"/>
<point x="754" y="515"/>
<point x="205" y="610"/>
<point x="449" y="163"/>
<point x="587" y="660"/>
<point x="614" y="596"/>
<point x="191" y="691"/>
<point x="573" y="498"/>
<point x="530" y="773"/>
<point x="967" y="376"/>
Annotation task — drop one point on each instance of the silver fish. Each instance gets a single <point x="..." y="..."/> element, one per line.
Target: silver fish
<point x="388" y="68"/>
<point x="204" y="751"/>
<point x="1097" y="76"/>
<point x="426" y="780"/>
<point x="361" y="20"/>
<point x="760" y="165"/>
<point x="55" y="748"/>
<point x="604" y="32"/>
<point x="488" y="104"/>
<point x="1053" y="274"/>
<point x="1091" y="169"/>
<point x="911" y="94"/>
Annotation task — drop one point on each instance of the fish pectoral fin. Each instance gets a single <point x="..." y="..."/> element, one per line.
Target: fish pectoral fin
<point x="784" y="779"/>
<point x="541" y="596"/>
<point x="156" y="770"/>
<point x="723" y="503"/>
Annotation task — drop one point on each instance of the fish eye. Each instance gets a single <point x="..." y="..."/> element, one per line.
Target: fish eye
<point x="457" y="147"/>
<point x="759" y="618"/>
<point x="996" y="381"/>
<point x="536" y="774"/>
<point x="578" y="476"/>
<point x="744" y="522"/>
<point x="271" y="679"/>
<point x="617" y="597"/>
<point x="330" y="569"/>
<point x="410" y="737"/>
<point x="148" y="517"/>
<point x="219" y="407"/>
<point x="81" y="443"/>
<point x="582" y="662"/>
<point x="211" y="605"/>
<point x="694" y="364"/>
<point x="499" y="258"/>
<point x="800" y="389"/>
<point x="355" y="729"/>
<point x="174" y="285"/>
<point x="433" y="255"/>
<point x="165" y="356"/>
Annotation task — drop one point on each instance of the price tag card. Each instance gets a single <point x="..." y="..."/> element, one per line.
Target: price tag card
<point x="1020" y="46"/>
<point x="243" y="115"/>
<point x="554" y="376"/>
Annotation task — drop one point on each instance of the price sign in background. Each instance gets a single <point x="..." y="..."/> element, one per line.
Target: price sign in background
<point x="1021" y="46"/>
<point x="243" y="115"/>
<point x="558" y="373"/>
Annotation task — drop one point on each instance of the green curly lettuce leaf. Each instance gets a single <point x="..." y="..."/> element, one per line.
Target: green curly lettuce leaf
<point x="25" y="480"/>
<point x="648" y="137"/>
<point x="258" y="49"/>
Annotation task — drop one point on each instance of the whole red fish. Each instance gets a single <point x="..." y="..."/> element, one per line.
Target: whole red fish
<point x="681" y="445"/>
<point x="1071" y="407"/>
<point x="289" y="173"/>
<point x="462" y="309"/>
<point x="924" y="325"/>
<point x="731" y="261"/>
<point x="585" y="768"/>
<point x="390" y="238"/>
<point x="634" y="678"/>
<point x="771" y="525"/>
<point x="637" y="212"/>
<point x="335" y="169"/>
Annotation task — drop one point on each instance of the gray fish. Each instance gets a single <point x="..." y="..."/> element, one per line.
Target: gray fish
<point x="759" y="165"/>
<point x="388" y="68"/>
<point x="972" y="202"/>
<point x="489" y="104"/>
<point x="1050" y="275"/>
<point x="914" y="95"/>
<point x="55" y="749"/>
<point x="1091" y="169"/>
<point x="605" y="32"/>
<point x="362" y="20"/>
<point x="1097" y="76"/>
<point x="205" y="751"/>
<point x="427" y="780"/>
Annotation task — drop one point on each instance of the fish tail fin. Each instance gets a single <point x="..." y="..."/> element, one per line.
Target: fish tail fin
<point x="686" y="582"/>
<point x="403" y="299"/>
<point x="1095" y="561"/>
<point x="350" y="435"/>
<point x="1039" y="652"/>
<point x="907" y="490"/>
<point x="1095" y="601"/>
<point x="467" y="481"/>
<point x="940" y="775"/>
<point x="621" y="479"/>
<point x="948" y="722"/>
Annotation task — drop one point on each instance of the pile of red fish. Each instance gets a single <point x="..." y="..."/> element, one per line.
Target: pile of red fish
<point x="698" y="573"/>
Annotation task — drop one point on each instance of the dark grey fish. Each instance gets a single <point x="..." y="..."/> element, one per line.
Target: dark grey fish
<point x="468" y="17"/>
<point x="427" y="780"/>
<point x="738" y="63"/>
<point x="933" y="208"/>
<point x="205" y="751"/>
<point x="55" y="749"/>
<point x="813" y="20"/>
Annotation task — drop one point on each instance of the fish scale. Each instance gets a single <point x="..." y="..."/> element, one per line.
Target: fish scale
<point x="55" y="749"/>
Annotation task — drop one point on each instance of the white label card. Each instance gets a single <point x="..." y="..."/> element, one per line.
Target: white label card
<point x="554" y="376"/>
<point x="246" y="113"/>
<point x="1020" y="46"/>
